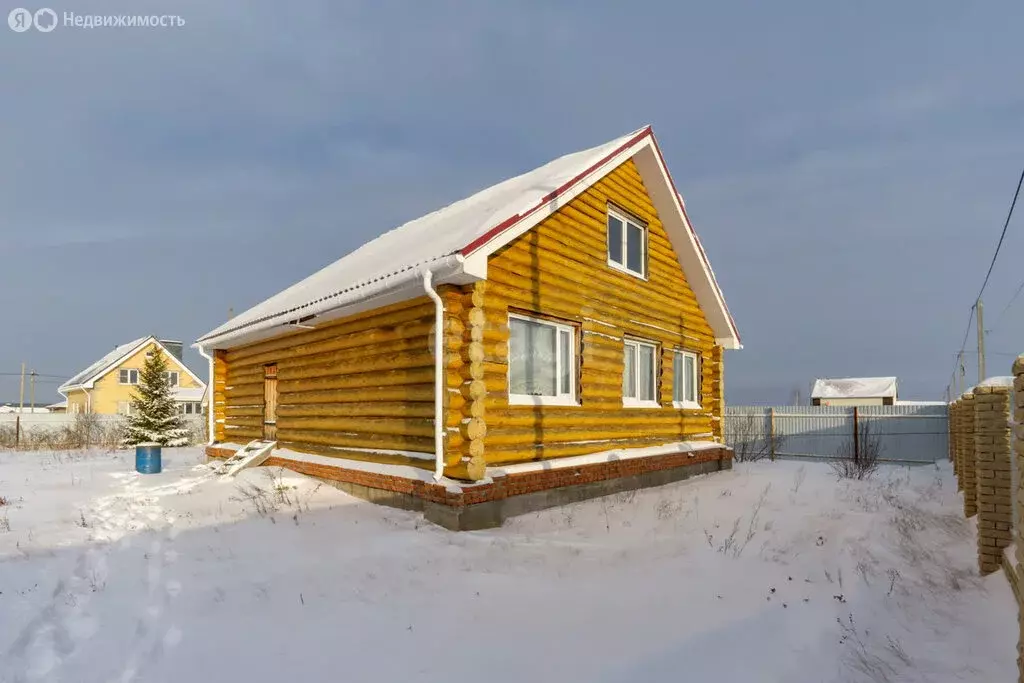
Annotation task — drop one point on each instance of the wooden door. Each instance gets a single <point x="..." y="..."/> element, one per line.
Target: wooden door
<point x="270" y="402"/>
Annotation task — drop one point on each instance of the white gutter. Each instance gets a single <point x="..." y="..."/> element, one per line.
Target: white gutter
<point x="443" y="267"/>
<point x="209" y="387"/>
<point x="438" y="375"/>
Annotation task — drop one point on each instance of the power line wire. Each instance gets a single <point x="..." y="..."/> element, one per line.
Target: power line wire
<point x="988" y="274"/>
<point x="29" y="374"/>
<point x="1016" y="294"/>
<point x="1002" y="235"/>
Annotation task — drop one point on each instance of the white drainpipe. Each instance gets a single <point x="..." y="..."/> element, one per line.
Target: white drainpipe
<point x="438" y="376"/>
<point x="209" y="388"/>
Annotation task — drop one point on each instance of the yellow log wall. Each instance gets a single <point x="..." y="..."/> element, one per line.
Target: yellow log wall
<point x="362" y="382"/>
<point x="560" y="269"/>
<point x="366" y="382"/>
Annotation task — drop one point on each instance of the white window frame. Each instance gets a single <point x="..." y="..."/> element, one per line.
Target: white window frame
<point x="635" y="344"/>
<point x="678" y="357"/>
<point x="569" y="399"/>
<point x="626" y="222"/>
<point x="129" y="383"/>
<point x="127" y="408"/>
<point x="177" y="377"/>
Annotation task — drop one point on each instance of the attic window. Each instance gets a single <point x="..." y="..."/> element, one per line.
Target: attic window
<point x="128" y="376"/>
<point x="627" y="244"/>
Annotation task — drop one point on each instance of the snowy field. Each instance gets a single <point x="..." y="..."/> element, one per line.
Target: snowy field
<point x="772" y="572"/>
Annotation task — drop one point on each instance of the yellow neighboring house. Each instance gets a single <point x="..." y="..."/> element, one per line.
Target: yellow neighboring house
<point x="107" y="386"/>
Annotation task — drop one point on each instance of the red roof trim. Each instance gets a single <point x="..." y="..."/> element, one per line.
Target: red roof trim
<point x="647" y="131"/>
<point x="512" y="220"/>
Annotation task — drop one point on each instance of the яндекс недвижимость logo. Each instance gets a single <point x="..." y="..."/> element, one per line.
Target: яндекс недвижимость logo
<point x="21" y="20"/>
<point x="45" y="20"/>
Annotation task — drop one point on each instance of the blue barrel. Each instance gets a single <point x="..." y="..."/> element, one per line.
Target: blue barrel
<point x="147" y="458"/>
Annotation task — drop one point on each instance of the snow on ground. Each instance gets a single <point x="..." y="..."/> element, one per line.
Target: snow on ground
<point x="772" y="572"/>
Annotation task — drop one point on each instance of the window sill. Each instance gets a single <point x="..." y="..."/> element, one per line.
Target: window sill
<point x="524" y="400"/>
<point x="686" y="405"/>
<point x="634" y="403"/>
<point x="623" y="269"/>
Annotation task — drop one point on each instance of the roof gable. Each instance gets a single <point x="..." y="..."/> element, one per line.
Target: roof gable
<point x="454" y="242"/>
<point x="113" y="360"/>
<point x="90" y="373"/>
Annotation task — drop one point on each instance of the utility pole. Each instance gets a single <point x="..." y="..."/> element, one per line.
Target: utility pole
<point x="32" y="391"/>
<point x="981" y="342"/>
<point x="21" y="397"/>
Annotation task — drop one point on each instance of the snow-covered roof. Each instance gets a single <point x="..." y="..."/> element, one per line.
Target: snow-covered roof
<point x="854" y="387"/>
<point x="86" y="378"/>
<point x="453" y="244"/>
<point x="58" y="405"/>
<point x="188" y="394"/>
<point x="1004" y="381"/>
<point x="112" y="358"/>
<point x="8" y="408"/>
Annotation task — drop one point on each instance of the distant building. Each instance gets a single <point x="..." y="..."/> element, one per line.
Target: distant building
<point x="106" y="387"/>
<point x="17" y="408"/>
<point x="855" y="391"/>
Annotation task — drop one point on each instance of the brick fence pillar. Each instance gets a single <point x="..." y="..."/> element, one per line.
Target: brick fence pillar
<point x="955" y="434"/>
<point x="950" y="432"/>
<point x="992" y="452"/>
<point x="1017" y="566"/>
<point x="968" y="473"/>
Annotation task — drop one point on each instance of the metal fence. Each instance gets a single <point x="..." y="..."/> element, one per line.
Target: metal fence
<point x="66" y="430"/>
<point x="906" y="434"/>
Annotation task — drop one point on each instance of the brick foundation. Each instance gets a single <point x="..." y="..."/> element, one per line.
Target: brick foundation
<point x="992" y="453"/>
<point x="477" y="506"/>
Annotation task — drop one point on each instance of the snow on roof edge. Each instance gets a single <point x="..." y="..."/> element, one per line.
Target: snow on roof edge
<point x="117" y="356"/>
<point x="854" y="387"/>
<point x="96" y="367"/>
<point x="454" y="231"/>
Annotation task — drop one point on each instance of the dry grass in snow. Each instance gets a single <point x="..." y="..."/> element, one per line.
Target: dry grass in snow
<point x="772" y="572"/>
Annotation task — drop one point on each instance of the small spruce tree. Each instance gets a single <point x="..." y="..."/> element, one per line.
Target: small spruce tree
<point x="154" y="417"/>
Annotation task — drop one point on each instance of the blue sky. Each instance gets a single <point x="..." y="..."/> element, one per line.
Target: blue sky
<point x="847" y="165"/>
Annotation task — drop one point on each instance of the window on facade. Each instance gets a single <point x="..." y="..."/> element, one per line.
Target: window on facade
<point x="172" y="378"/>
<point x="639" y="373"/>
<point x="129" y="376"/>
<point x="191" y="408"/>
<point x="124" y="408"/>
<point x="541" y="361"/>
<point x="627" y="244"/>
<point x="686" y="380"/>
